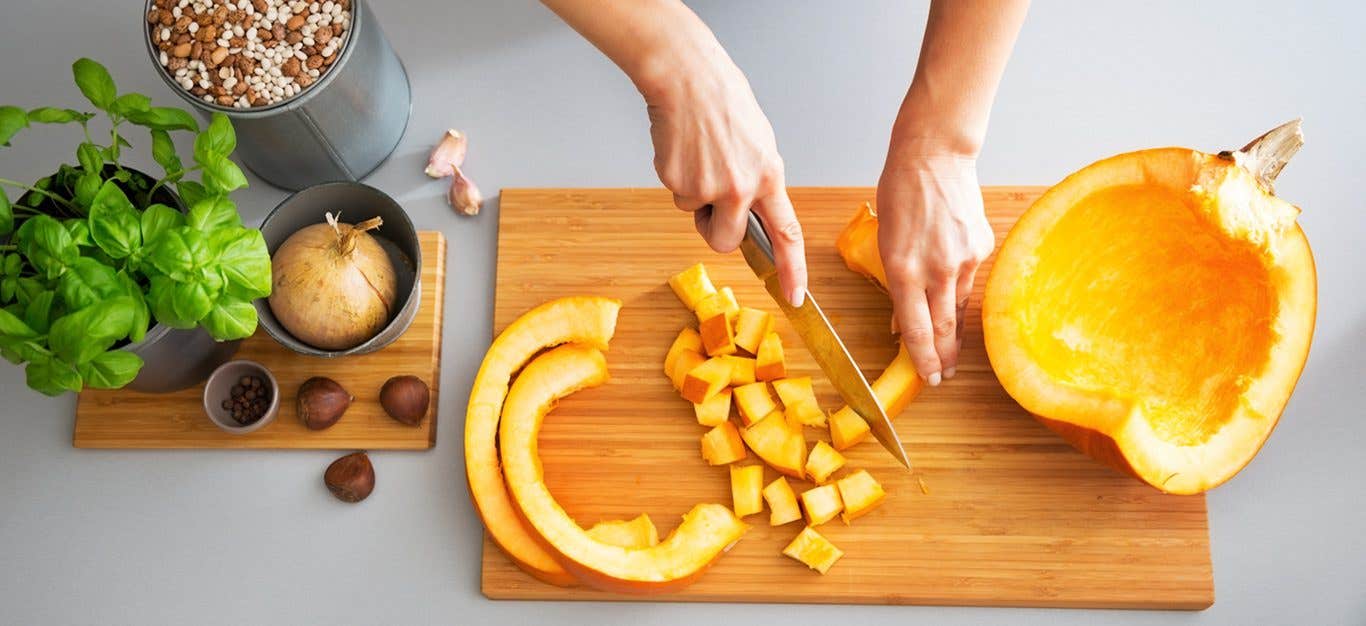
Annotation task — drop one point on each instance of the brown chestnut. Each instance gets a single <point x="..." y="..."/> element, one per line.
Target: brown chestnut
<point x="321" y="402"/>
<point x="405" y="398"/>
<point x="350" y="478"/>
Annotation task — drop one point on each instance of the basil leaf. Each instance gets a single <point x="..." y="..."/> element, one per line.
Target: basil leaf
<point x="14" y="328"/>
<point x="12" y="120"/>
<point x="230" y="319"/>
<point x="244" y="261"/>
<point x="157" y="219"/>
<point x="86" y="187"/>
<point x="90" y="157"/>
<point x="47" y="244"/>
<point x="13" y="263"/>
<point x="81" y="336"/>
<point x="6" y="215"/>
<point x="214" y="213"/>
<point x="8" y="285"/>
<point x="27" y="288"/>
<point x="80" y="232"/>
<point x="130" y="104"/>
<point x="164" y="118"/>
<point x="50" y="376"/>
<point x="142" y="316"/>
<point x="221" y="174"/>
<point x="54" y="115"/>
<point x="218" y="139"/>
<point x="191" y="191"/>
<point x="111" y="370"/>
<point x="114" y="223"/>
<point x="179" y="252"/>
<point x="163" y="151"/>
<point x="38" y="313"/>
<point x="179" y="304"/>
<point x="95" y="82"/>
<point x="86" y="282"/>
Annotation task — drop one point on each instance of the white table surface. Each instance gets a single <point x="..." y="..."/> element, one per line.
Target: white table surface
<point x="242" y="537"/>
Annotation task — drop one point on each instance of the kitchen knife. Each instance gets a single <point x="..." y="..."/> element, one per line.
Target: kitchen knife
<point x="822" y="341"/>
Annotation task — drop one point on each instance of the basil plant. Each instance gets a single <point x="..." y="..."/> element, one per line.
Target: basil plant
<point x="94" y="254"/>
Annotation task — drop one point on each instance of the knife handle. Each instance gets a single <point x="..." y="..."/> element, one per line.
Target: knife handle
<point x="758" y="249"/>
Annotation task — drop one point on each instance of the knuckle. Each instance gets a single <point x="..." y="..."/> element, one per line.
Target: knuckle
<point x="790" y="231"/>
<point x="945" y="328"/>
<point x="918" y="336"/>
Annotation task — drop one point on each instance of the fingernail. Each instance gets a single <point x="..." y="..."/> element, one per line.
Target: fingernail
<point x="933" y="379"/>
<point x="949" y="372"/>
<point x="797" y="296"/>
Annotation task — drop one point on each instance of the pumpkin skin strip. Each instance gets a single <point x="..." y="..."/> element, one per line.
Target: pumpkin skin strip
<point x="707" y="531"/>
<point x="589" y="321"/>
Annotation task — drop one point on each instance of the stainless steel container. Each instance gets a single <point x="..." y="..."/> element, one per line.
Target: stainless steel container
<point x="340" y="128"/>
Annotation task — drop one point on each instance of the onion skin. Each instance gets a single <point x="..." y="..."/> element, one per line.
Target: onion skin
<point x="333" y="286"/>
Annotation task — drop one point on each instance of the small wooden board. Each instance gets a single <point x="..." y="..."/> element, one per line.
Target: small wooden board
<point x="125" y="419"/>
<point x="1013" y="515"/>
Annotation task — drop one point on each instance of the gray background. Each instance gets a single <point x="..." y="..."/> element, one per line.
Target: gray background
<point x="252" y="537"/>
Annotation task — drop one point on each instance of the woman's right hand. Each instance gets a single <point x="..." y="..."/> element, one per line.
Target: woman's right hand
<point x="715" y="150"/>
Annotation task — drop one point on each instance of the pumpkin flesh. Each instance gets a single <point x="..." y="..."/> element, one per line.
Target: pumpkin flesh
<point x="1155" y="309"/>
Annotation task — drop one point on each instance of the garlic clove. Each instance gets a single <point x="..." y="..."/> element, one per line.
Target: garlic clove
<point x="464" y="196"/>
<point x="448" y="155"/>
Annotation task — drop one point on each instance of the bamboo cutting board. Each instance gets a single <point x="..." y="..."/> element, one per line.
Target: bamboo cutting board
<point x="1011" y="515"/>
<point x="125" y="419"/>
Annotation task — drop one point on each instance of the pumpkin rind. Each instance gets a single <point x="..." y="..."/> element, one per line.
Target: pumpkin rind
<point x="1155" y="309"/>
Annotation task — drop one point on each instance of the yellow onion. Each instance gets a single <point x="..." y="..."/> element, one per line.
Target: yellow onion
<point x="334" y="287"/>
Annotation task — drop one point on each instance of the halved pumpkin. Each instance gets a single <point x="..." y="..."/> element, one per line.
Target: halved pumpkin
<point x="707" y="531"/>
<point x="1156" y="308"/>
<point x="584" y="320"/>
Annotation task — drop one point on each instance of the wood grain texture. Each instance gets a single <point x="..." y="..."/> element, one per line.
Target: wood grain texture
<point x="124" y="419"/>
<point x="1013" y="515"/>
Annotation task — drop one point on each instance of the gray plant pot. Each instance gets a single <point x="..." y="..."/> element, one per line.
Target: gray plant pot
<point x="174" y="359"/>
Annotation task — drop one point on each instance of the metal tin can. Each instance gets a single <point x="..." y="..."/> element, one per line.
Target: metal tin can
<point x="339" y="128"/>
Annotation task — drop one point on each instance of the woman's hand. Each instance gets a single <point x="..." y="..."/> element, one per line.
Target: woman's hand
<point x="715" y="150"/>
<point x="933" y="234"/>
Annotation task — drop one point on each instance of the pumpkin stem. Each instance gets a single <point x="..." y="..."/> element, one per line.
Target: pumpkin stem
<point x="1266" y="155"/>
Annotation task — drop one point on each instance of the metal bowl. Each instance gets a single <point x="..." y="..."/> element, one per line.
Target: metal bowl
<point x="398" y="237"/>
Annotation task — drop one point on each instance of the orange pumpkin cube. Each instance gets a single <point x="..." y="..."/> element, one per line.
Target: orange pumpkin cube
<point x="821" y="504"/>
<point x="746" y="489"/>
<point x="782" y="502"/>
<point x="822" y="462"/>
<point x="751" y="326"/>
<point x="687" y="341"/>
<point x="754" y="402"/>
<point x="685" y="363"/>
<point x="743" y="372"/>
<point x="860" y="492"/>
<point x="715" y="410"/>
<point x="769" y="363"/>
<point x="799" y="401"/>
<point x="692" y="285"/>
<point x="706" y="380"/>
<point x="778" y="444"/>
<point x="813" y="550"/>
<point x="722" y="444"/>
<point x="847" y="428"/>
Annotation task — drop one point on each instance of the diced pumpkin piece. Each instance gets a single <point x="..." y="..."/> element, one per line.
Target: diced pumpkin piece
<point x="722" y="444"/>
<point x="799" y="401"/>
<point x="743" y="372"/>
<point x="813" y="550"/>
<point x="720" y="303"/>
<point x="847" y="428"/>
<point x="687" y="341"/>
<point x="706" y="380"/>
<point x="717" y="337"/>
<point x="769" y="363"/>
<point x="692" y="285"/>
<point x="685" y="363"/>
<point x="778" y="444"/>
<point x="782" y="502"/>
<point x="746" y="489"/>
<point x="859" y="492"/>
<point x="822" y="462"/>
<point x="751" y="326"/>
<point x="715" y="410"/>
<point x="728" y="303"/>
<point x="754" y="402"/>
<point x="821" y="504"/>
<point x="635" y="533"/>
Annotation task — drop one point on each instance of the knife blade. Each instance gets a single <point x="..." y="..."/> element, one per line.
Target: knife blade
<point x="821" y="341"/>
